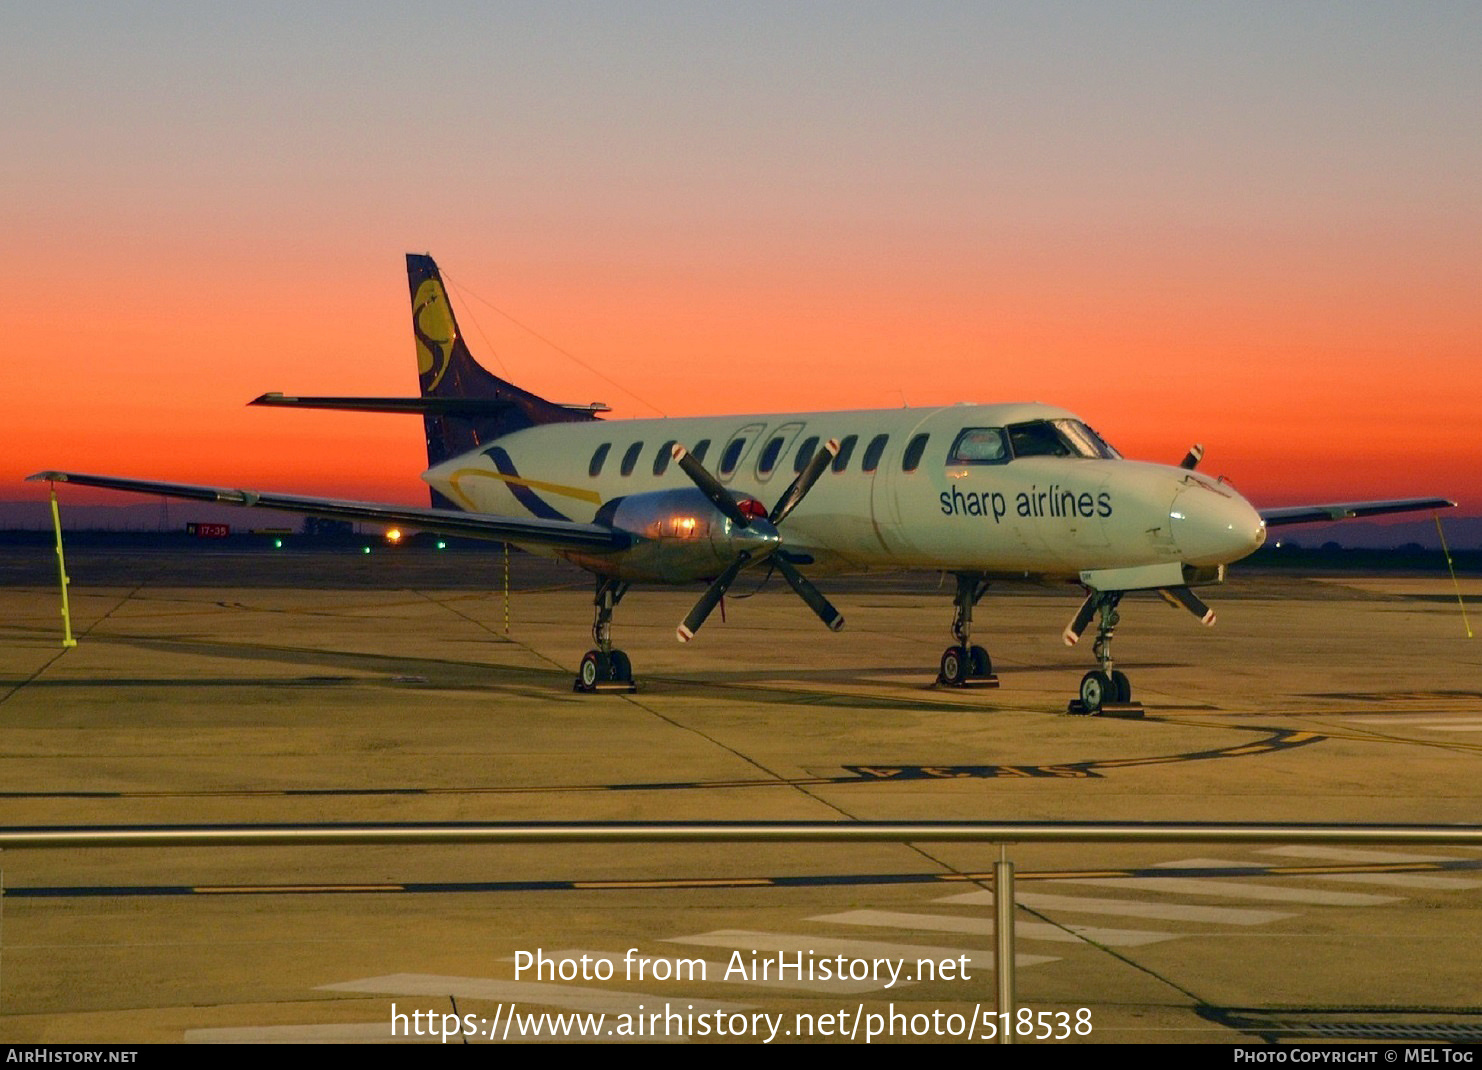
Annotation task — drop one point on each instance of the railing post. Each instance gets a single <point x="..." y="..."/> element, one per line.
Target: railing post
<point x="1003" y="942"/>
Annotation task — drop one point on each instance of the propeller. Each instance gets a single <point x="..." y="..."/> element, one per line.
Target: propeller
<point x="1073" y="630"/>
<point x="1182" y="596"/>
<point x="1174" y="596"/>
<point x="733" y="511"/>
<point x="1193" y="457"/>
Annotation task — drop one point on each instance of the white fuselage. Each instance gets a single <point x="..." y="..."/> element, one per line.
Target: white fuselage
<point x="1038" y="515"/>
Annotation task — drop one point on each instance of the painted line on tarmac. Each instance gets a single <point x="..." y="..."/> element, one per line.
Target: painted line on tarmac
<point x="1279" y="739"/>
<point x="1122" y="877"/>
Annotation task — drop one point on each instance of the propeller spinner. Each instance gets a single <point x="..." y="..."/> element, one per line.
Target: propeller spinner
<point x="733" y="511"/>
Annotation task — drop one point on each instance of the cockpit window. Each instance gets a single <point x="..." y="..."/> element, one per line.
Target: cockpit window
<point x="1038" y="438"/>
<point x="1088" y="442"/>
<point x="979" y="445"/>
<point x="1058" y="438"/>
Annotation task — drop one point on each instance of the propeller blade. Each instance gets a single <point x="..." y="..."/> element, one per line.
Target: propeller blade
<point x="1182" y="596"/>
<point x="809" y="593"/>
<point x="713" y="594"/>
<point x="1073" y="630"/>
<point x="804" y="482"/>
<point x="1193" y="457"/>
<point x="711" y="488"/>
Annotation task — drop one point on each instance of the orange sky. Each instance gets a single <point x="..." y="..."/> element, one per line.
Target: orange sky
<point x="1260" y="234"/>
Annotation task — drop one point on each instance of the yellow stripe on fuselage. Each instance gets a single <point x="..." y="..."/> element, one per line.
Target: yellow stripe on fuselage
<point x="534" y="484"/>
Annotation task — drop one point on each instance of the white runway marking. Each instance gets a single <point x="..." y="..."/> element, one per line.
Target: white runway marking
<point x="347" y="1033"/>
<point x="851" y="949"/>
<point x="1229" y="889"/>
<point x="1129" y="908"/>
<point x="1354" y="854"/>
<point x="1401" y="880"/>
<point x="539" y="994"/>
<point x="1432" y="724"/>
<point x="1025" y="930"/>
<point x="859" y="949"/>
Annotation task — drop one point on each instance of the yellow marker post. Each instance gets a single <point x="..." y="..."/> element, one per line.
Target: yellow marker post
<point x="1452" y="568"/>
<point x="56" y="522"/>
<point x="506" y="588"/>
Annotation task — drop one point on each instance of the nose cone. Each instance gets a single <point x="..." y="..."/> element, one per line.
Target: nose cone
<point x="1212" y="525"/>
<point x="757" y="539"/>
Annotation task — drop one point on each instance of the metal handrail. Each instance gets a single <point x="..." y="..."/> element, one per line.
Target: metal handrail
<point x="47" y="837"/>
<point x="1001" y="834"/>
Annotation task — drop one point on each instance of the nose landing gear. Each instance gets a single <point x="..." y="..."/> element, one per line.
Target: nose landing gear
<point x="965" y="665"/>
<point x="605" y="669"/>
<point x="1105" y="691"/>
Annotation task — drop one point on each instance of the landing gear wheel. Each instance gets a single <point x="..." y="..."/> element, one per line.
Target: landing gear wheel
<point x="1096" y="688"/>
<point x="594" y="670"/>
<point x="1121" y="689"/>
<point x="982" y="664"/>
<point x="621" y="668"/>
<point x="954" y="667"/>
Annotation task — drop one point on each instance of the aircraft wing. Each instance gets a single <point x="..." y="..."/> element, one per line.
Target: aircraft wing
<point x="523" y="531"/>
<point x="1316" y="514"/>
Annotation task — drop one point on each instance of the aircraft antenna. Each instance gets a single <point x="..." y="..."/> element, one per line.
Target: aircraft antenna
<point x="1459" y="600"/>
<point x="564" y="352"/>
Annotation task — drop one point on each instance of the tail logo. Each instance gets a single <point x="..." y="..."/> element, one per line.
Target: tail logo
<point x="432" y="324"/>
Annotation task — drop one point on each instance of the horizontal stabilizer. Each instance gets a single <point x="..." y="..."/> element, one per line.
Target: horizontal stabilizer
<point x="435" y="406"/>
<point x="521" y="531"/>
<point x="1318" y="514"/>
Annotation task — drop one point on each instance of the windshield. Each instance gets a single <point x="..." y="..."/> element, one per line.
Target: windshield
<point x="1058" y="438"/>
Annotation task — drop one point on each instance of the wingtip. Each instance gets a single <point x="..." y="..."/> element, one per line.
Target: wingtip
<point x="47" y="477"/>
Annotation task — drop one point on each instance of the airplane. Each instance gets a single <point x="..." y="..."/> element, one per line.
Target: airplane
<point x="988" y="493"/>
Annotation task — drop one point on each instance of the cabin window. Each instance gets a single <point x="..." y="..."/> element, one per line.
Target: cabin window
<point x="631" y="458"/>
<point x="979" y="445"/>
<point x="846" y="450"/>
<point x="665" y="455"/>
<point x="872" y="453"/>
<point x="914" y="449"/>
<point x="595" y="468"/>
<point x="769" y="456"/>
<point x="701" y="448"/>
<point x="731" y="456"/>
<point x="805" y="453"/>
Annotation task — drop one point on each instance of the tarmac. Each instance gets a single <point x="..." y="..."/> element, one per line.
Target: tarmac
<point x="405" y="687"/>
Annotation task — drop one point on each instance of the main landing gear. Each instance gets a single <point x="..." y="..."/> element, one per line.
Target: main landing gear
<point x="1104" y="691"/>
<point x="605" y="669"/>
<point x="965" y="665"/>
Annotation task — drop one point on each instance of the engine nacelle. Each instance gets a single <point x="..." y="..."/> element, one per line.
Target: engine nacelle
<point x="680" y="537"/>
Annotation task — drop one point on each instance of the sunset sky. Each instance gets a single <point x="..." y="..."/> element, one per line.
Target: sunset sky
<point x="1253" y="225"/>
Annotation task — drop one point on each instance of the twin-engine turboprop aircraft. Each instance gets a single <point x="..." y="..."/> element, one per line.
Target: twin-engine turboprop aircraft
<point x="985" y="492"/>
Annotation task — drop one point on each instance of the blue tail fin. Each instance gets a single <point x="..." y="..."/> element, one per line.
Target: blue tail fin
<point x="448" y="372"/>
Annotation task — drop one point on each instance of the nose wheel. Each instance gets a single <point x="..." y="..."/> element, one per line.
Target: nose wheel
<point x="605" y="668"/>
<point x="1105" y="692"/>
<point x="963" y="664"/>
